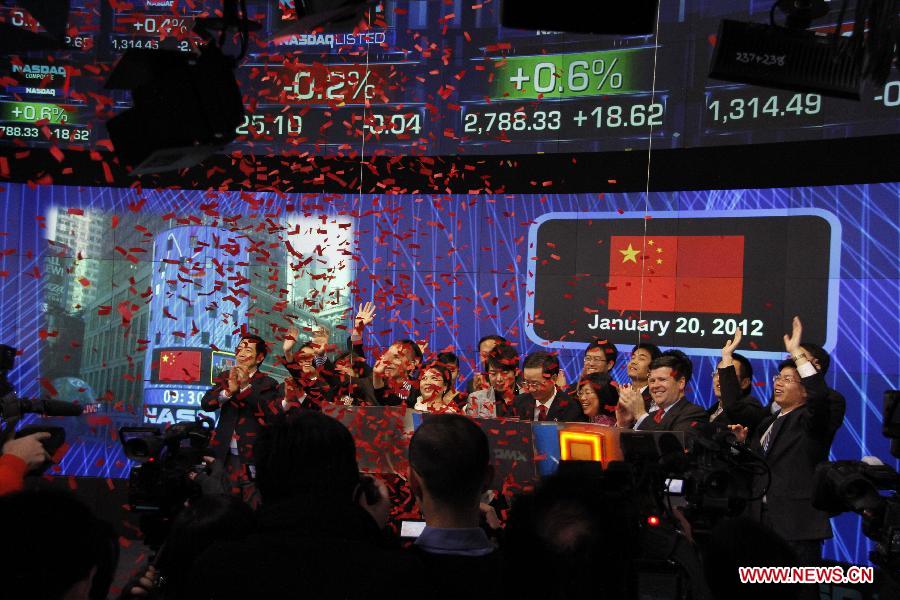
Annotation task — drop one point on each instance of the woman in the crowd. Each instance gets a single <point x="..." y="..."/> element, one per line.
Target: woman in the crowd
<point x="450" y="361"/>
<point x="598" y="398"/>
<point x="434" y="383"/>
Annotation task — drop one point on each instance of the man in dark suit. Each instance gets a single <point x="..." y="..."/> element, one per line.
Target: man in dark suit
<point x="449" y="470"/>
<point x="732" y="382"/>
<point x="247" y="400"/>
<point x="793" y="442"/>
<point x="638" y="369"/>
<point x="543" y="401"/>
<point x="669" y="375"/>
<point x="498" y="399"/>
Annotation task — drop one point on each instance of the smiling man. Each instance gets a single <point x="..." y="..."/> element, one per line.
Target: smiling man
<point x="542" y="400"/>
<point x="247" y="400"/>
<point x="392" y="376"/>
<point x="671" y="411"/>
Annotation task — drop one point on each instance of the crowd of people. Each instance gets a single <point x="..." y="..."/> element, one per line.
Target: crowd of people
<point x="289" y="512"/>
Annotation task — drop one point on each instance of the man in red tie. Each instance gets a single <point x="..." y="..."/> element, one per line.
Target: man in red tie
<point x="542" y="400"/>
<point x="669" y="375"/>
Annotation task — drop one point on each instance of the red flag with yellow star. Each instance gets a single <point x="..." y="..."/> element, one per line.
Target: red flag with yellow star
<point x="179" y="365"/>
<point x="677" y="273"/>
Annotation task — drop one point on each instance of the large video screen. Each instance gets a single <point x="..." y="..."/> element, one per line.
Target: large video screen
<point x="434" y="77"/>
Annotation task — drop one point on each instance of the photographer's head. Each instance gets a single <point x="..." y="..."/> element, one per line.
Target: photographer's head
<point x="251" y="351"/>
<point x="581" y="527"/>
<point x="306" y="455"/>
<point x="54" y="548"/>
<point x="203" y="522"/>
<point x="449" y="464"/>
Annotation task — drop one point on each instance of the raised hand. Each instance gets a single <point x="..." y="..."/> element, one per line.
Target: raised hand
<point x="792" y="343"/>
<point x="365" y="316"/>
<point x="289" y="340"/>
<point x="731" y="345"/>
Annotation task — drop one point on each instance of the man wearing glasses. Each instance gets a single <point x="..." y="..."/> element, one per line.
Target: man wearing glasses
<point x="793" y="442"/>
<point x="542" y="400"/>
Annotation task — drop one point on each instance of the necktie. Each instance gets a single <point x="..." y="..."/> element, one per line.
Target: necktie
<point x="769" y="435"/>
<point x="319" y="360"/>
<point x="542" y="412"/>
<point x="658" y="415"/>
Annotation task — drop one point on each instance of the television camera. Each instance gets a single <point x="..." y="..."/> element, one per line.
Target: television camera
<point x="170" y="471"/>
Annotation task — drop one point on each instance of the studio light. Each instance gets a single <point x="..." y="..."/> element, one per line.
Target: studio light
<point x="790" y="57"/>
<point x="186" y="106"/>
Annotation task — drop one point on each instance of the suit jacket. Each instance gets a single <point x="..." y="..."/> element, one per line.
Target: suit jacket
<point x="799" y="441"/>
<point x="564" y="408"/>
<point x="737" y="410"/>
<point x="242" y="414"/>
<point x="356" y="391"/>
<point x="452" y="576"/>
<point x="683" y="416"/>
<point x="385" y="397"/>
<point x="304" y="394"/>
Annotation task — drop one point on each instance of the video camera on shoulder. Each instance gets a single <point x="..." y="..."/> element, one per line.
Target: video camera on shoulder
<point x="165" y="477"/>
<point x="849" y="485"/>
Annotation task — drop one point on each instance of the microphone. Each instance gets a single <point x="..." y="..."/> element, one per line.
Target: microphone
<point x="51" y="408"/>
<point x="12" y="406"/>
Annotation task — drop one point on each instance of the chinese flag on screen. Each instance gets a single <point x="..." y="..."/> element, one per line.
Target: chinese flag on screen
<point x="681" y="273"/>
<point x="179" y="365"/>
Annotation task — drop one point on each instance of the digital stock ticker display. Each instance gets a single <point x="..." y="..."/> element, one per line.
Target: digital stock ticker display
<point x="433" y="77"/>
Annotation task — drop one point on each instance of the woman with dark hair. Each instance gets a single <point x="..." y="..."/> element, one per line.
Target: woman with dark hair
<point x="450" y="361"/>
<point x="598" y="398"/>
<point x="434" y="383"/>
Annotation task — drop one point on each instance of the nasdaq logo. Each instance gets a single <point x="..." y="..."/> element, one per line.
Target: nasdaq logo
<point x="336" y="40"/>
<point x="160" y="415"/>
<point x="40" y="71"/>
<point x="41" y="91"/>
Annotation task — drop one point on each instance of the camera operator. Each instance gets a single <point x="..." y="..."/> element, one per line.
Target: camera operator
<point x="793" y="441"/>
<point x="312" y="533"/>
<point x="20" y="456"/>
<point x="246" y="398"/>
